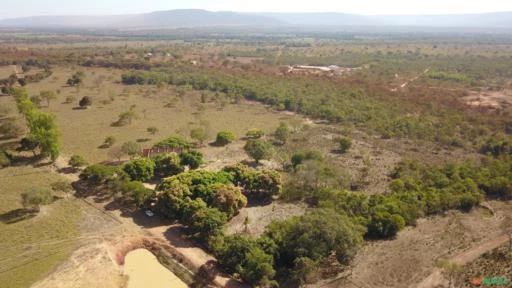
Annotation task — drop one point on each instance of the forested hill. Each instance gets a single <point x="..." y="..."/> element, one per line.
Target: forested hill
<point x="203" y="18"/>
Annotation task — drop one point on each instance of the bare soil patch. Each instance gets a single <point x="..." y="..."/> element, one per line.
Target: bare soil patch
<point x="489" y="99"/>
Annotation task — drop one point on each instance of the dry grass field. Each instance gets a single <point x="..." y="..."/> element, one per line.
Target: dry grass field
<point x="30" y="248"/>
<point x="83" y="131"/>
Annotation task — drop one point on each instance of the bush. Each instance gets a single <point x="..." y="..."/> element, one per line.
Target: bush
<point x="173" y="142"/>
<point x="126" y="118"/>
<point x="35" y="197"/>
<point x="109" y="141"/>
<point x="207" y="222"/>
<point x="315" y="235"/>
<point x="136" y="191"/>
<point x="100" y="173"/>
<point x="228" y="199"/>
<point x="62" y="186"/>
<point x="76" y="79"/>
<point x="85" y="102"/>
<point x="261" y="184"/>
<point x="384" y="224"/>
<point x="141" y="169"/>
<point x="243" y="255"/>
<point x="199" y="134"/>
<point x="258" y="149"/>
<point x="77" y="161"/>
<point x="255" y="133"/>
<point x="282" y="133"/>
<point x="224" y="138"/>
<point x="131" y="149"/>
<point x="152" y="130"/>
<point x="344" y="145"/>
<point x="5" y="159"/>
<point x="298" y="158"/>
<point x="192" y="159"/>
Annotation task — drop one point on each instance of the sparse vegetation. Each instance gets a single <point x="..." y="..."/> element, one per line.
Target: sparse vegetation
<point x="224" y="138"/>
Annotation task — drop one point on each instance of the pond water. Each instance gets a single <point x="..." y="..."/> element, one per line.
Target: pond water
<point x="144" y="271"/>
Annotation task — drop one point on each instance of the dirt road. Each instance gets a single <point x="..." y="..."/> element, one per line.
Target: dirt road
<point x="435" y="278"/>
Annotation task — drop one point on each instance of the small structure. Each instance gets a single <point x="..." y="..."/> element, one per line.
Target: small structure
<point x="160" y="150"/>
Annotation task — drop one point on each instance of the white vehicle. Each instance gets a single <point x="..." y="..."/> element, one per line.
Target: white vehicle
<point x="149" y="213"/>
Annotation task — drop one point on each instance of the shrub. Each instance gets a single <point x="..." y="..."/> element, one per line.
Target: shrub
<point x="141" y="169"/>
<point x="136" y="191"/>
<point x="384" y="224"/>
<point x="152" y="130"/>
<point x="262" y="184"/>
<point x="5" y="159"/>
<point x="126" y="118"/>
<point x="244" y="255"/>
<point x="77" y="161"/>
<point x="100" y="173"/>
<point x="174" y="142"/>
<point x="199" y="134"/>
<point x="109" y="141"/>
<point x="228" y="199"/>
<point x="192" y="159"/>
<point x="85" y="102"/>
<point x="344" y="144"/>
<point x="282" y="133"/>
<point x="207" y="222"/>
<point x="258" y="149"/>
<point x="315" y="235"/>
<point x="224" y="138"/>
<point x="255" y="133"/>
<point x="131" y="149"/>
<point x="35" y="197"/>
<point x="298" y="158"/>
<point x="62" y="186"/>
<point x="76" y="79"/>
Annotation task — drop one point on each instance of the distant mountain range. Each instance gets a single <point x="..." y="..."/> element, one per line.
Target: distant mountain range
<point x="203" y="18"/>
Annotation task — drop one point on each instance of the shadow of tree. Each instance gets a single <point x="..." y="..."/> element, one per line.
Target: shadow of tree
<point x="17" y="215"/>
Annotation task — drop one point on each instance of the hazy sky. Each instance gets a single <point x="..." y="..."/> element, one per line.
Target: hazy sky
<point x="15" y="8"/>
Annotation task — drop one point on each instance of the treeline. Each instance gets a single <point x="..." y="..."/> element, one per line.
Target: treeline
<point x="336" y="102"/>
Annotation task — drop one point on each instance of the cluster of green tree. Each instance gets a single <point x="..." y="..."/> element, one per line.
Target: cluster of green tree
<point x="43" y="133"/>
<point x="127" y="177"/>
<point x="256" y="183"/>
<point x="174" y="142"/>
<point x="290" y="249"/>
<point x="417" y="191"/>
<point x="203" y="201"/>
<point x="116" y="179"/>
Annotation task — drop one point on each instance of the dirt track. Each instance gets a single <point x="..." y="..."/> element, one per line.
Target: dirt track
<point x="435" y="279"/>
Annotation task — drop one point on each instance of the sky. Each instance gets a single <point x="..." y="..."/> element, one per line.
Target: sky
<point x="13" y="8"/>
